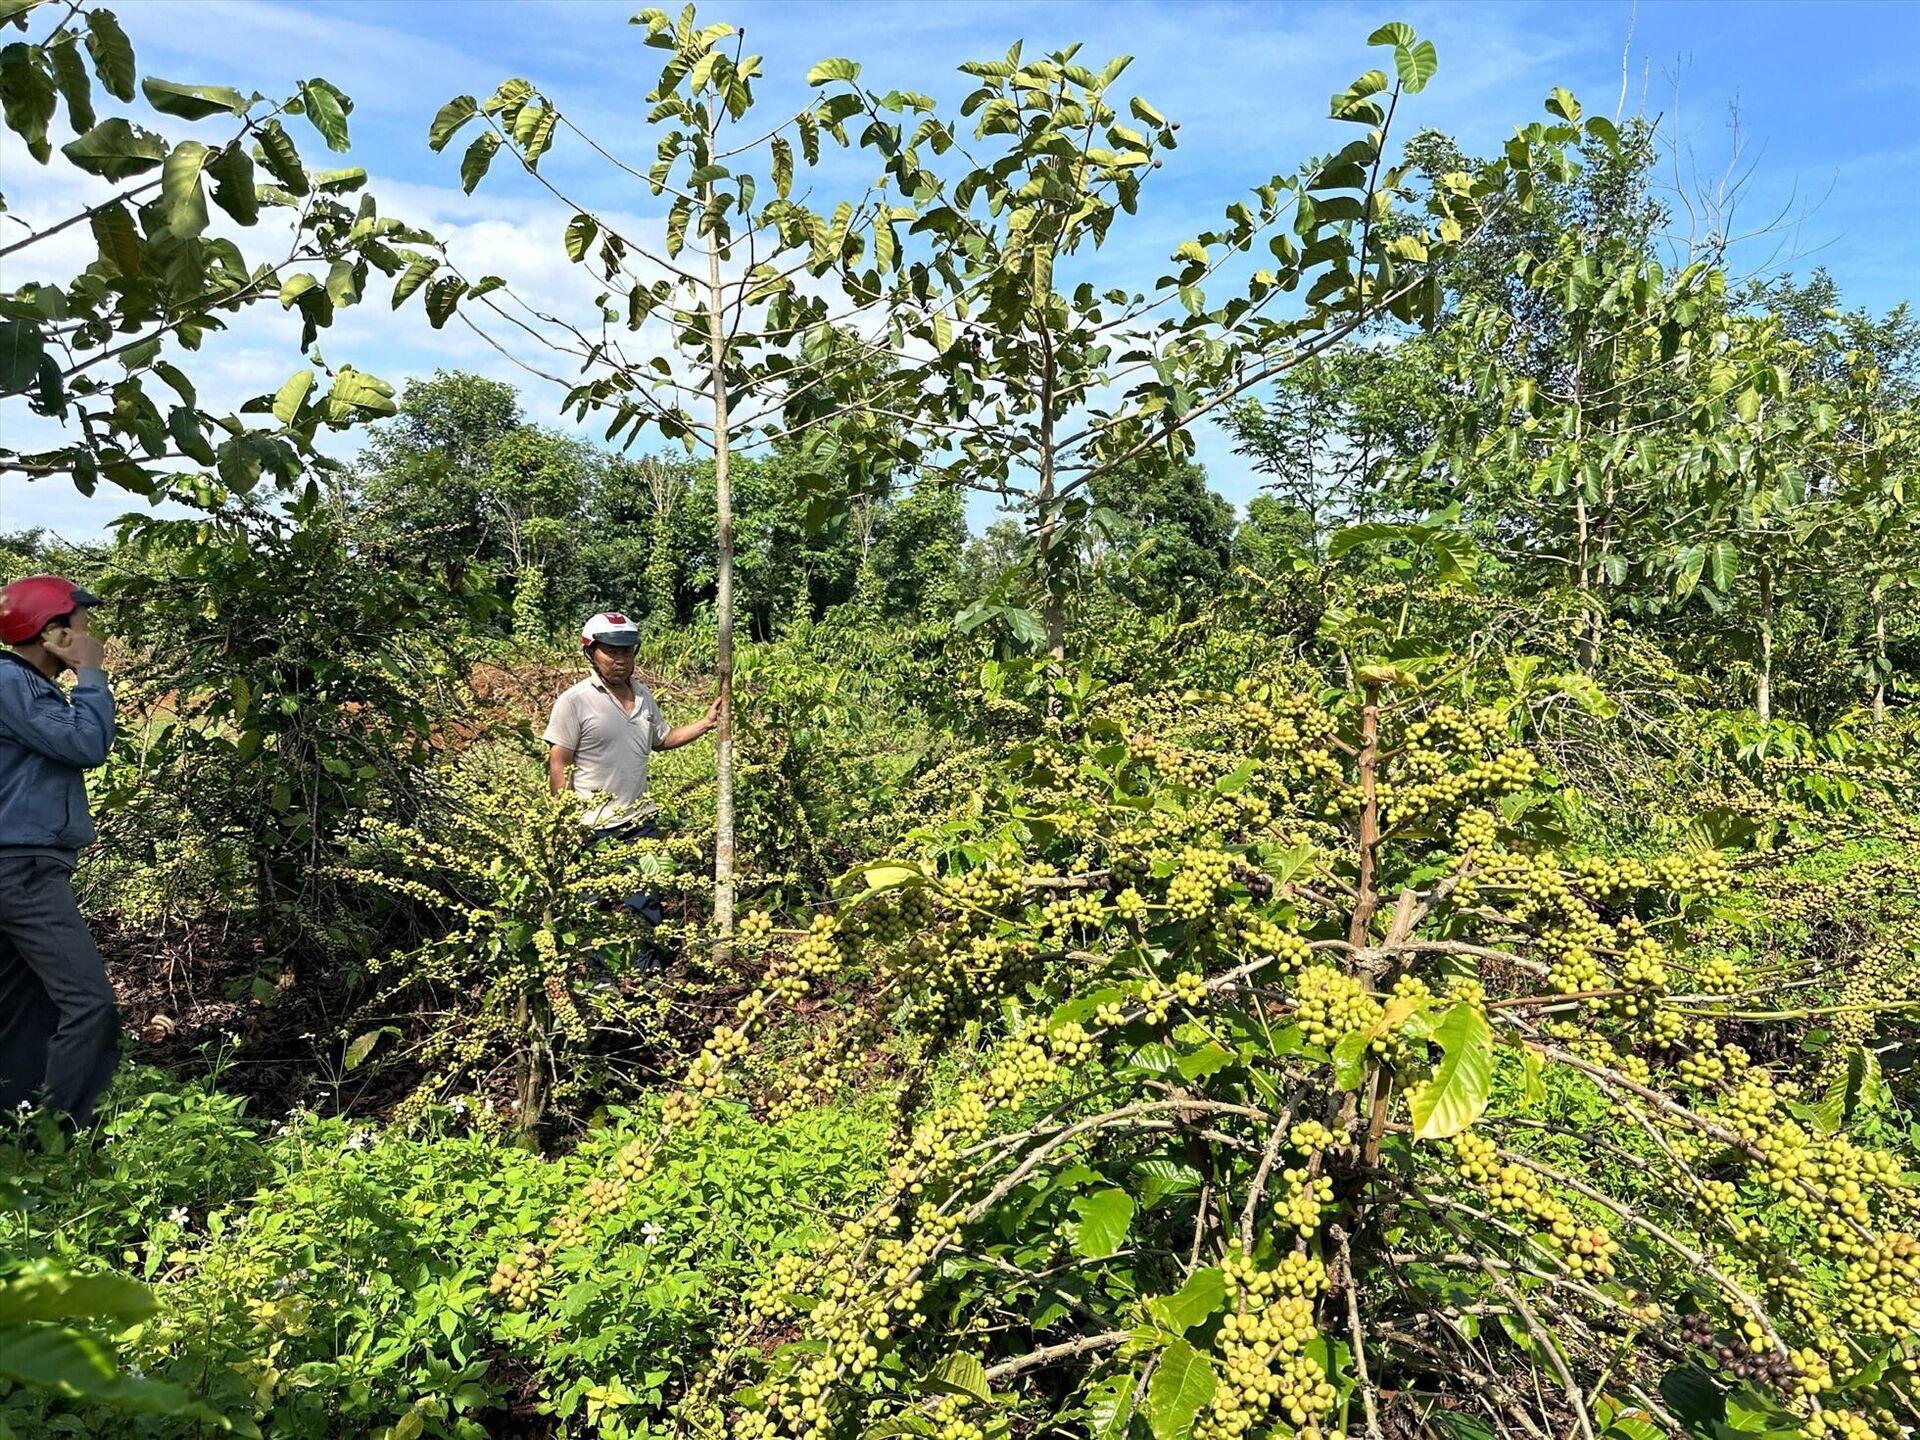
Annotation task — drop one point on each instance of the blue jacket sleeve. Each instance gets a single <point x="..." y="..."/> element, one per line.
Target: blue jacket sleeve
<point x="37" y="718"/>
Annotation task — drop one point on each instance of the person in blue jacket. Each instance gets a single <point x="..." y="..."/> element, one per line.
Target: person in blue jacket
<point x="59" y="1023"/>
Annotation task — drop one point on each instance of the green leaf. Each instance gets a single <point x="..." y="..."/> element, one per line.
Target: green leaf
<point x="70" y="75"/>
<point x="1103" y="1220"/>
<point x="1855" y="1086"/>
<point x="46" y="1293"/>
<point x="473" y="165"/>
<point x="942" y="332"/>
<point x="959" y="1374"/>
<point x="362" y="1047"/>
<point x="112" y="54"/>
<point x="233" y="188"/>
<point x="193" y="102"/>
<point x="119" y="242"/>
<point x="1110" y="1407"/>
<point x="581" y="232"/>
<point x="188" y="438"/>
<point x="1193" y="1303"/>
<point x="327" y="108"/>
<point x="288" y="399"/>
<point x="186" y="202"/>
<point x="1183" y="1381"/>
<point x="448" y="120"/>
<point x="1396" y="33"/>
<point x="28" y="98"/>
<point x="1350" y="1060"/>
<point x="293" y="287"/>
<point x="339" y="182"/>
<point x="343" y="283"/>
<point x="782" y="167"/>
<point x="114" y="150"/>
<point x="282" y="158"/>
<point x="356" y="395"/>
<point x="1533" y="1086"/>
<point x="1457" y="1094"/>
<point x="1691" y="1395"/>
<point x="830" y="70"/>
<point x="1416" y="65"/>
<point x="415" y="275"/>
<point x="443" y="296"/>
<point x="1562" y="103"/>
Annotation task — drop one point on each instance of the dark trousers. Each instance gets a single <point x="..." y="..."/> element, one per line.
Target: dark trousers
<point x="641" y="903"/>
<point x="59" y="1024"/>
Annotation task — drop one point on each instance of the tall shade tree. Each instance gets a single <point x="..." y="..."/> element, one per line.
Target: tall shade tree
<point x="1035" y="381"/>
<point x="1570" y="442"/>
<point x="757" y="350"/>
<point x="81" y="352"/>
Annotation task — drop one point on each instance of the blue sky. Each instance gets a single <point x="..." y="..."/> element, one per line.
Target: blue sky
<point x="1828" y="126"/>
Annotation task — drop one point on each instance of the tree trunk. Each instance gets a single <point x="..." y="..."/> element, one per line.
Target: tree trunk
<point x="1763" y="677"/>
<point x="1879" y="657"/>
<point x="1054" y="585"/>
<point x="723" y="600"/>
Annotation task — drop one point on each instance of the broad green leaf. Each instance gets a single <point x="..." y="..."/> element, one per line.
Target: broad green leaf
<point x="959" y="1374"/>
<point x="473" y="165"/>
<point x="1183" y="1381"/>
<point x="1110" y="1407"/>
<point x="188" y="438"/>
<point x="343" y="284"/>
<point x="782" y="167"/>
<point x="443" y="297"/>
<point x="1533" y="1086"/>
<point x="70" y="75"/>
<point x="1193" y="1303"/>
<point x="1103" y="1220"/>
<point x="193" y="102"/>
<point x="1457" y="1094"/>
<point x="1562" y="103"/>
<point x="1856" y="1085"/>
<point x="1350" y="1060"/>
<point x="293" y="287"/>
<point x="119" y="242"/>
<point x="581" y="233"/>
<point x="415" y="275"/>
<point x="362" y="1047"/>
<point x="327" y="108"/>
<point x="339" y="182"/>
<point x="830" y="70"/>
<point x="186" y="202"/>
<point x="46" y="1293"/>
<point x="1396" y="33"/>
<point x="233" y="188"/>
<point x="356" y="395"/>
<point x="448" y="120"/>
<point x="1416" y="65"/>
<point x="890" y="877"/>
<point x="942" y="332"/>
<point x="282" y="158"/>
<point x="114" y="150"/>
<point x="288" y="399"/>
<point x="112" y="54"/>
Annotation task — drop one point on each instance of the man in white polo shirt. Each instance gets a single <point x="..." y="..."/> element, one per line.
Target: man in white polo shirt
<point x="604" y="730"/>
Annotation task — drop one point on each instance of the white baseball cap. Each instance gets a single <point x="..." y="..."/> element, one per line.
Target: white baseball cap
<point x="609" y="627"/>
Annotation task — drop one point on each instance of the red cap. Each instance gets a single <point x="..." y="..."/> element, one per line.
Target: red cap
<point x="27" y="605"/>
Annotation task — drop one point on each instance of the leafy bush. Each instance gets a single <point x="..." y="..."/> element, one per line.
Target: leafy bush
<point x="1328" y="1093"/>
<point x="435" y="1284"/>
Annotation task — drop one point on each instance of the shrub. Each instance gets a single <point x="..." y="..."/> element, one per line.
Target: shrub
<point x="1328" y="1093"/>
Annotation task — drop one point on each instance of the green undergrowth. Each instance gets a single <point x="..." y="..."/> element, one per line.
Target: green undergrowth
<point x="320" y="1279"/>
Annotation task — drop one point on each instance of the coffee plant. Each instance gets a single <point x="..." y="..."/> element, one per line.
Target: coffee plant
<point x="530" y="956"/>
<point x="1316" y="1084"/>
